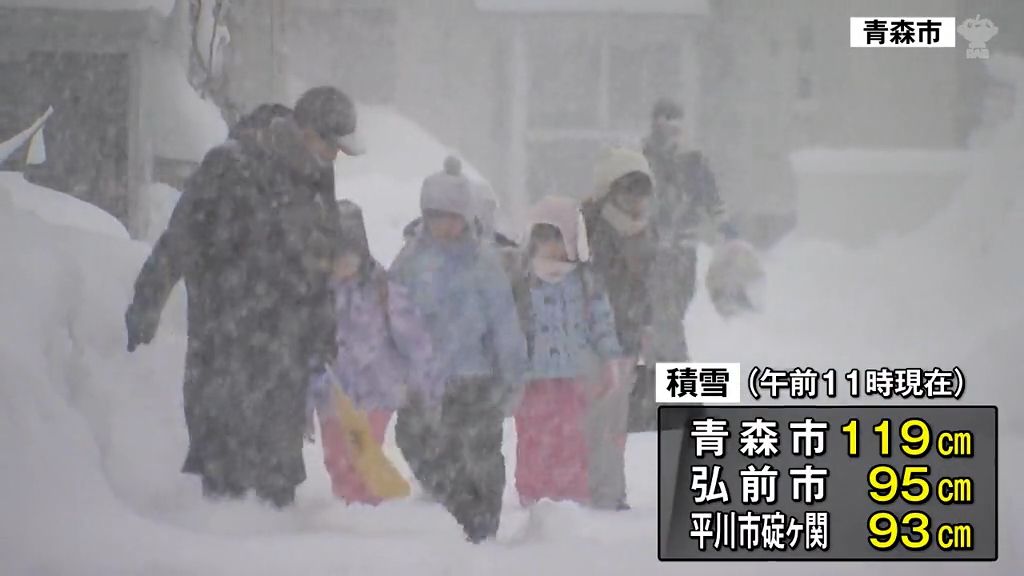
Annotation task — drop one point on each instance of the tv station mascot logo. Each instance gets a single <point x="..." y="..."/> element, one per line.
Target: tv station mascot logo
<point x="978" y="32"/>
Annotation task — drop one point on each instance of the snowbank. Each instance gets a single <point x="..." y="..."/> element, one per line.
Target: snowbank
<point x="183" y="125"/>
<point x="948" y="294"/>
<point x="877" y="161"/>
<point x="58" y="208"/>
<point x="861" y="197"/>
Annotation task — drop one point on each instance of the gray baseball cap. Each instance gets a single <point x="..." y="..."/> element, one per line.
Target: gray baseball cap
<point x="332" y="114"/>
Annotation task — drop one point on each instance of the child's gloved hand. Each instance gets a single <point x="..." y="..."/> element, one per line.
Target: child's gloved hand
<point x="646" y="347"/>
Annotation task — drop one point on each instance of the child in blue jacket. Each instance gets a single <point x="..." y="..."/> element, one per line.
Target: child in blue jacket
<point x="570" y="330"/>
<point x="466" y="301"/>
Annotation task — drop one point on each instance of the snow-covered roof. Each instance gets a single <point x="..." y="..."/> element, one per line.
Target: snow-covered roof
<point x="684" y="7"/>
<point x="161" y="6"/>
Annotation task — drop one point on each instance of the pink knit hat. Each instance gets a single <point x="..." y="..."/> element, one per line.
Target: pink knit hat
<point x="563" y="213"/>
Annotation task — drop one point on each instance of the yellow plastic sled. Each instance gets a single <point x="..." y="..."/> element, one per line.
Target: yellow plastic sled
<point x="377" y="472"/>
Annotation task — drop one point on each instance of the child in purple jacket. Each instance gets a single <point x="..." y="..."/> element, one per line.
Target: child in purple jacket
<point x="384" y="359"/>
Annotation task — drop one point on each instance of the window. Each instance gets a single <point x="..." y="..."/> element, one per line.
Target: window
<point x="586" y="91"/>
<point x="561" y="167"/>
<point x="565" y="80"/>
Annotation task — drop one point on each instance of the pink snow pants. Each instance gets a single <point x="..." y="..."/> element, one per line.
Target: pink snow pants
<point x="551" y="453"/>
<point x="346" y="483"/>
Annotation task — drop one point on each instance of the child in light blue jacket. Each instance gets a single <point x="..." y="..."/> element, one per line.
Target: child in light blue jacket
<point x="465" y="299"/>
<point x="570" y="330"/>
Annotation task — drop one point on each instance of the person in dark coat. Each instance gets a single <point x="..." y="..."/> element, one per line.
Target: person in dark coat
<point x="621" y="235"/>
<point x="686" y="201"/>
<point x="622" y="242"/>
<point x="254" y="124"/>
<point x="253" y="237"/>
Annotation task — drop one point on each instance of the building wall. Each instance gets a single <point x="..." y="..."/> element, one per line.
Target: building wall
<point x="250" y="64"/>
<point x="782" y="76"/>
<point x="83" y="64"/>
<point x="508" y="91"/>
<point x="451" y="79"/>
<point x="591" y="81"/>
<point x="531" y="99"/>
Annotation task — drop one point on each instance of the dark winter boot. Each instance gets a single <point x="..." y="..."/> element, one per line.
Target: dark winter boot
<point x="279" y="497"/>
<point x="215" y="489"/>
<point x="471" y="459"/>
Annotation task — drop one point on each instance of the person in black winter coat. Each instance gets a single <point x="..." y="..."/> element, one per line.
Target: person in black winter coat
<point x="253" y="235"/>
<point x="686" y="199"/>
<point x="622" y="242"/>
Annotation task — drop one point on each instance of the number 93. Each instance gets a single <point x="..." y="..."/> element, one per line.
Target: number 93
<point x="884" y="531"/>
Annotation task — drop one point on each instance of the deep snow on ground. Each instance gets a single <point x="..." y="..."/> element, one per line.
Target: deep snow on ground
<point x="92" y="437"/>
